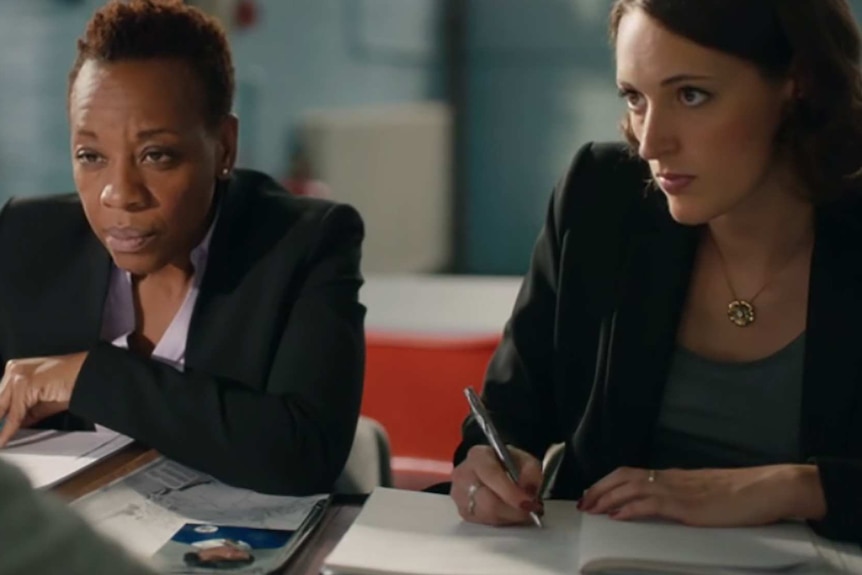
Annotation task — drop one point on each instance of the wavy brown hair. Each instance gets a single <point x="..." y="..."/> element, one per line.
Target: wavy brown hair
<point x="816" y="42"/>
<point x="149" y="29"/>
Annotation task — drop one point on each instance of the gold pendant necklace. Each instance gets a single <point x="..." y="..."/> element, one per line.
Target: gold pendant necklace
<point x="740" y="311"/>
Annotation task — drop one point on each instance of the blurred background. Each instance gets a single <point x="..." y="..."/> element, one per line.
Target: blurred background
<point x="446" y="122"/>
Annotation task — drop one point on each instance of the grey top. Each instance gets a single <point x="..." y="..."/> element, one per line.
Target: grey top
<point x="718" y="414"/>
<point x="39" y="534"/>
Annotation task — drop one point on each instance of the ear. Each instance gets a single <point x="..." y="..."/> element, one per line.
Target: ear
<point x="228" y="141"/>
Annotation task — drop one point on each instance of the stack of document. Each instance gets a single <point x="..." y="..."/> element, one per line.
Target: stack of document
<point x="179" y="519"/>
<point x="48" y="457"/>
<point x="411" y="533"/>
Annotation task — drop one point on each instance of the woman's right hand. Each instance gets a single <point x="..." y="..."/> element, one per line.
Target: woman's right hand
<point x="496" y="499"/>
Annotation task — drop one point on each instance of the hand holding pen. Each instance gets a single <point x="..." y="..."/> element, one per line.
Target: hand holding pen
<point x="496" y="484"/>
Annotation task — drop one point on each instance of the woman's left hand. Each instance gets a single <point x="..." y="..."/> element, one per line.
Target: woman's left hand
<point x="710" y="497"/>
<point x="35" y="388"/>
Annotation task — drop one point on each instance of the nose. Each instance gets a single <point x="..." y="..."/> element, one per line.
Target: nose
<point x="125" y="189"/>
<point x="657" y="137"/>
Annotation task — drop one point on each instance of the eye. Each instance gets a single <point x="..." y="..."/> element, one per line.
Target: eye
<point x="87" y="157"/>
<point x="158" y="156"/>
<point x="634" y="100"/>
<point x="693" y="97"/>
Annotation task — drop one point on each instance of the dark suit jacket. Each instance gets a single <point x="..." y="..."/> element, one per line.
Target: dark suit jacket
<point x="275" y="352"/>
<point x="586" y="353"/>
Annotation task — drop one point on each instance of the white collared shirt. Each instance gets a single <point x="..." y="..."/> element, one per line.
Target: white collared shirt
<point x="118" y="317"/>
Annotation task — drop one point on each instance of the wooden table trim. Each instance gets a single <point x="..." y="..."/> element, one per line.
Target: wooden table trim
<point x="113" y="467"/>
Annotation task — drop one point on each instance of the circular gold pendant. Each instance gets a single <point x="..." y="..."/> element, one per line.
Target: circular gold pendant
<point x="740" y="313"/>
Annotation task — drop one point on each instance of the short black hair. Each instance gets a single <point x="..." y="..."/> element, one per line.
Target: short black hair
<point x="149" y="29"/>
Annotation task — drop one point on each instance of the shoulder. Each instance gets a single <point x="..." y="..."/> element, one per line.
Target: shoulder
<point x="12" y="481"/>
<point x="607" y="162"/>
<point x="602" y="178"/>
<point x="256" y="206"/>
<point x="30" y="227"/>
<point x="839" y="223"/>
<point x="62" y="210"/>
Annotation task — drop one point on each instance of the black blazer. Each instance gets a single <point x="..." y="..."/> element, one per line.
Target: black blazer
<point x="275" y="352"/>
<point x="586" y="353"/>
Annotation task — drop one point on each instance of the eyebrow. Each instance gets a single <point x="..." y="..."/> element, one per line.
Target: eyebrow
<point x="679" y="78"/>
<point x="142" y="135"/>
<point x="682" y="78"/>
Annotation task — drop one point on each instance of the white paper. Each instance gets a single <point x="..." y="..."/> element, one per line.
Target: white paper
<point x="143" y="510"/>
<point x="413" y="533"/>
<point x="606" y="542"/>
<point x="408" y="532"/>
<point x="48" y="457"/>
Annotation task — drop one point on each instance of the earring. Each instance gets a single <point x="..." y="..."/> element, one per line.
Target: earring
<point x="225" y="172"/>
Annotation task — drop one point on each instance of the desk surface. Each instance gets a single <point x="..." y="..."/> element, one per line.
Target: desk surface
<point x="438" y="305"/>
<point x="100" y="474"/>
<point x="335" y="523"/>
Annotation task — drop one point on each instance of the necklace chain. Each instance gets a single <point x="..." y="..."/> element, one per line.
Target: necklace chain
<point x="741" y="311"/>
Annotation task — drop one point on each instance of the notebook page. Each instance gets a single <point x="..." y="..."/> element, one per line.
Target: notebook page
<point x="413" y="533"/>
<point x="48" y="457"/>
<point x="606" y="544"/>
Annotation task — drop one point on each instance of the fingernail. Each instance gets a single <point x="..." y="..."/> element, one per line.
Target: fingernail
<point x="531" y="507"/>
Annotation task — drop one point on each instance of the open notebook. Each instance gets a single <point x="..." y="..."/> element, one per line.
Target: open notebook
<point x="411" y="533"/>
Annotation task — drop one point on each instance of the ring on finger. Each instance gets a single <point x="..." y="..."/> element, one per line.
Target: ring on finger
<point x="471" y="498"/>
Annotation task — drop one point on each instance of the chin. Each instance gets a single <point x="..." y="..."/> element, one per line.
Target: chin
<point x="140" y="264"/>
<point x="689" y="212"/>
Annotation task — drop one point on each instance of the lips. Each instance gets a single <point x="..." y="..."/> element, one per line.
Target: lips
<point x="673" y="183"/>
<point x="128" y="240"/>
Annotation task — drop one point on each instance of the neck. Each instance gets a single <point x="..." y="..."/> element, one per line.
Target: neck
<point x="765" y="230"/>
<point x="171" y="280"/>
<point x="179" y="271"/>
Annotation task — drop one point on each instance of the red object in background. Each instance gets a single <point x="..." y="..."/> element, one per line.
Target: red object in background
<point x="415" y="388"/>
<point x="246" y="15"/>
<point x="309" y="188"/>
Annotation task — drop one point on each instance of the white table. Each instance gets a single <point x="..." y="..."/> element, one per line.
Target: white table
<point x="438" y="306"/>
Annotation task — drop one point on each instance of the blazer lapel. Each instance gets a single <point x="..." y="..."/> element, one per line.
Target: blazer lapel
<point x="97" y="267"/>
<point x="832" y="359"/>
<point x="644" y="326"/>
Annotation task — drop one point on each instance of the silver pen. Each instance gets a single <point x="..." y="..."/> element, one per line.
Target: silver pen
<point x="503" y="454"/>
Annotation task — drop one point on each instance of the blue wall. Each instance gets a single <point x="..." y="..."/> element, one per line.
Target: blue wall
<point x="329" y="54"/>
<point x="539" y="84"/>
<point x="37" y="41"/>
<point x="303" y="53"/>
